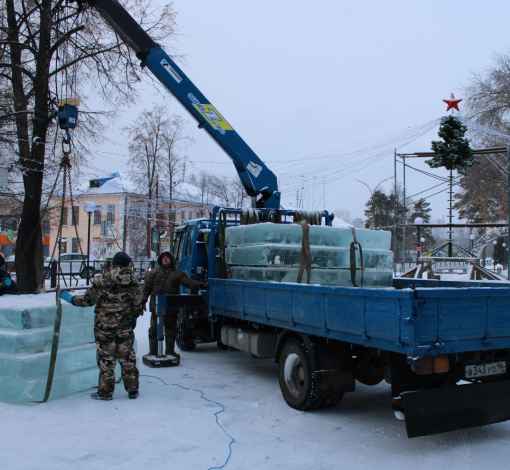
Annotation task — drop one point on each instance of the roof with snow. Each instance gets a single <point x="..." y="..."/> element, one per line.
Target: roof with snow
<point x="120" y="183"/>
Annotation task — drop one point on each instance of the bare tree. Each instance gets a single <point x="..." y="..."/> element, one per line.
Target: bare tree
<point x="51" y="49"/>
<point x="488" y="94"/>
<point x="156" y="143"/>
<point x="228" y="191"/>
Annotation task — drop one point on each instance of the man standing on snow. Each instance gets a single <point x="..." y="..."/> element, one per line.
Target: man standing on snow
<point x="117" y="297"/>
<point x="7" y="285"/>
<point x="166" y="280"/>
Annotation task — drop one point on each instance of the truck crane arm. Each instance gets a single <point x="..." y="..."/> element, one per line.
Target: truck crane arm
<point x="258" y="180"/>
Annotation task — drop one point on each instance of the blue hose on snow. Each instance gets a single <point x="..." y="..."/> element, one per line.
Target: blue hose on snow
<point x="215" y="414"/>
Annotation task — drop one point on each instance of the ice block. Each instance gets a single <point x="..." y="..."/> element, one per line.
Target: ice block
<point x="40" y="339"/>
<point x="322" y="257"/>
<point x="26" y="335"/>
<point x="292" y="234"/>
<point x="324" y="277"/>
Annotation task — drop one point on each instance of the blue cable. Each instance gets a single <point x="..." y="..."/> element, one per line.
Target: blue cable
<point x="216" y="414"/>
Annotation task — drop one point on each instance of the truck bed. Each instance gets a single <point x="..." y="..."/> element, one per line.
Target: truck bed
<point x="416" y="322"/>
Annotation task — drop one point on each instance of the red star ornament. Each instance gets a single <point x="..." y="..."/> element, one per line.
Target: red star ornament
<point x="452" y="103"/>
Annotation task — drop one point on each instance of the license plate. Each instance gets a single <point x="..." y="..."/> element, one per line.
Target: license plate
<point x="483" y="370"/>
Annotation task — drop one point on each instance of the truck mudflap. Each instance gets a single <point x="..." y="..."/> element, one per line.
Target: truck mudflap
<point x="457" y="407"/>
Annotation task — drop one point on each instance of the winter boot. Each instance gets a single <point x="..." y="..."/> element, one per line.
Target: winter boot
<point x="170" y="347"/>
<point x="133" y="394"/>
<point x="98" y="396"/>
<point x="153" y="347"/>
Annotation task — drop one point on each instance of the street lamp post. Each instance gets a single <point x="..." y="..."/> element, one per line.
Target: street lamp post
<point x="472" y="238"/>
<point x="89" y="207"/>
<point x="494" y="242"/>
<point x="418" y="221"/>
<point x="372" y="197"/>
<point x="504" y="255"/>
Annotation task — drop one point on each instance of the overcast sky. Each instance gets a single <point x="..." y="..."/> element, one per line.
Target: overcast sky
<point x="300" y="80"/>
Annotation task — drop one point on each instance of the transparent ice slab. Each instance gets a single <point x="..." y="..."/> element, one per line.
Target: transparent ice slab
<point x="40" y="339"/>
<point x="18" y="317"/>
<point x="258" y="234"/>
<point x="31" y="366"/>
<point x="325" y="277"/>
<point x="322" y="257"/>
<point x="18" y="390"/>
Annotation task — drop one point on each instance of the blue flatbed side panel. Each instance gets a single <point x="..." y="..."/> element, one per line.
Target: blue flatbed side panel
<point x="363" y="316"/>
<point x="382" y="318"/>
<point x="345" y="314"/>
<point x="308" y="308"/>
<point x="465" y="318"/>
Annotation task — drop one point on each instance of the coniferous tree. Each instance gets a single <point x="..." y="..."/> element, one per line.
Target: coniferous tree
<point x="422" y="209"/>
<point x="454" y="152"/>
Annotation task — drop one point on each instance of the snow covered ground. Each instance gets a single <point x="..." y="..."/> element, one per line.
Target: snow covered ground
<point x="169" y="427"/>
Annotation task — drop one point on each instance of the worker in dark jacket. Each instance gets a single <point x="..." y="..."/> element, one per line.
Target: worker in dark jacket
<point x="117" y="297"/>
<point x="7" y="285"/>
<point x="166" y="280"/>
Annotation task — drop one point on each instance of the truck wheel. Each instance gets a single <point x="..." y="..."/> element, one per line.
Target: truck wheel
<point x="184" y="339"/>
<point x="297" y="376"/>
<point x="47" y="273"/>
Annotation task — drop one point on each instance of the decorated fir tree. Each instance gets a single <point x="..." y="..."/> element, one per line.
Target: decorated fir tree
<point x="454" y="151"/>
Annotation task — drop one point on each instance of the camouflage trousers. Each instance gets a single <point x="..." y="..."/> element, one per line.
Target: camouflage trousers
<point x="112" y="345"/>
<point x="170" y="323"/>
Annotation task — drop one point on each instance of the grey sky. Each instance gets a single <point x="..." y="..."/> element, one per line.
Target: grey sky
<point x="298" y="78"/>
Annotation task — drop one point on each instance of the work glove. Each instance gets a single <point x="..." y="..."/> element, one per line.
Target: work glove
<point x="133" y="323"/>
<point x="6" y="282"/>
<point x="64" y="295"/>
<point x="203" y="285"/>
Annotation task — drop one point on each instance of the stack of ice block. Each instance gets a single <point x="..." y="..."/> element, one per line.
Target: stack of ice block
<point x="26" y="335"/>
<point x="271" y="252"/>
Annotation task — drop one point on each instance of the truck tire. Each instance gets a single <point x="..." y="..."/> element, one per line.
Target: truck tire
<point x="47" y="273"/>
<point x="184" y="339"/>
<point x="297" y="376"/>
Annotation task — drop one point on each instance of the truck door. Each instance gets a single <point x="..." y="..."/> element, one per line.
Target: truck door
<point x="180" y="235"/>
<point x="188" y="256"/>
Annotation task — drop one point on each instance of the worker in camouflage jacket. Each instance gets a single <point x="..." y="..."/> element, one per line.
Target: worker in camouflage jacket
<point x="117" y="297"/>
<point x="166" y="279"/>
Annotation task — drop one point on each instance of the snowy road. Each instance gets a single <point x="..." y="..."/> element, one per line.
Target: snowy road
<point x="168" y="427"/>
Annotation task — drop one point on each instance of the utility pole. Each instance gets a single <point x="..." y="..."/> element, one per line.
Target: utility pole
<point x="124" y="234"/>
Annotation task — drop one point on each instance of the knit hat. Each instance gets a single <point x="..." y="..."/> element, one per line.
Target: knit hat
<point x="121" y="259"/>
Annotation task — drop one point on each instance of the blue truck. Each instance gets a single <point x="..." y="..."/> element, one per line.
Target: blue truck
<point x="443" y="346"/>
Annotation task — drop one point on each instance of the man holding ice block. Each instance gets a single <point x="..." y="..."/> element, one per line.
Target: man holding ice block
<point x="117" y="297"/>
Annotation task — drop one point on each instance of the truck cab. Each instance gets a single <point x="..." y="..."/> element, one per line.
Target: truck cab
<point x="189" y="249"/>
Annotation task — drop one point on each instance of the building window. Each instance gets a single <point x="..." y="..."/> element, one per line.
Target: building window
<point x="110" y="213"/>
<point x="11" y="224"/>
<point x="46" y="227"/>
<point x="64" y="216"/>
<point x="75" y="247"/>
<point x="190" y="215"/>
<point x="76" y="216"/>
<point x="63" y="247"/>
<point x="183" y="216"/>
<point x="97" y="216"/>
<point x="135" y="224"/>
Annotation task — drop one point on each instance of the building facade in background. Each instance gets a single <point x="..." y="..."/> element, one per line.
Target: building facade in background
<point x="123" y="218"/>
